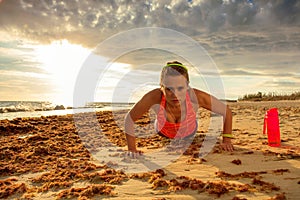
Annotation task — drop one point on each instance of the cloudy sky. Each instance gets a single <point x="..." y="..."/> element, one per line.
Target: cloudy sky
<point x="254" y="44"/>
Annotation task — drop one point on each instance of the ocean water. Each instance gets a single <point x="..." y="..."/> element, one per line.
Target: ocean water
<point x="15" y="109"/>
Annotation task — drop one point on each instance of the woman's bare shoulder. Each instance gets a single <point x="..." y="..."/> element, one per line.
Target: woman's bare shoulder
<point x="198" y="96"/>
<point x="197" y="91"/>
<point x="153" y="96"/>
<point x="149" y="100"/>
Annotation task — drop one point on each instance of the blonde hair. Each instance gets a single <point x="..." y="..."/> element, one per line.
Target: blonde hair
<point x="174" y="68"/>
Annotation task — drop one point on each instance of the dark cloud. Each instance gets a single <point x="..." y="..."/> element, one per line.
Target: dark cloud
<point x="280" y="83"/>
<point x="282" y="11"/>
<point x="15" y="56"/>
<point x="244" y="37"/>
<point x="90" y="21"/>
<point x="241" y="72"/>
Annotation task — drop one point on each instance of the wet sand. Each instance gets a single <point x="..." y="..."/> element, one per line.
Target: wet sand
<point x="83" y="157"/>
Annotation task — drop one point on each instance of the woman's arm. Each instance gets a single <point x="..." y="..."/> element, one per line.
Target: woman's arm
<point x="141" y="107"/>
<point x="211" y="103"/>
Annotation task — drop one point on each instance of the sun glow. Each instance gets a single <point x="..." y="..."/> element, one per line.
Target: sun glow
<point x="62" y="60"/>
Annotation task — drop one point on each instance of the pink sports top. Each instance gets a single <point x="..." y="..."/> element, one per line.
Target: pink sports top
<point x="177" y="130"/>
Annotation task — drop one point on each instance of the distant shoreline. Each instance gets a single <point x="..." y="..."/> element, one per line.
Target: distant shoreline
<point x="272" y="96"/>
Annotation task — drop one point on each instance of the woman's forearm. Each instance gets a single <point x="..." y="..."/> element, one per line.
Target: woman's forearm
<point x="131" y="143"/>
<point x="227" y="128"/>
<point x="129" y="131"/>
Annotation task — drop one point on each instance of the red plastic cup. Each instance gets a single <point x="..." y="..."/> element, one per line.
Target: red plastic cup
<point x="271" y="125"/>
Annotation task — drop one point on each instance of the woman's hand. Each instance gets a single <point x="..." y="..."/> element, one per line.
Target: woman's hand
<point x="227" y="145"/>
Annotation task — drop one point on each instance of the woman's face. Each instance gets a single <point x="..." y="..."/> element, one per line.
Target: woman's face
<point x="174" y="89"/>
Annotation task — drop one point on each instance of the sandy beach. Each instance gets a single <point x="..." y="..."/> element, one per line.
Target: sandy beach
<point x="83" y="157"/>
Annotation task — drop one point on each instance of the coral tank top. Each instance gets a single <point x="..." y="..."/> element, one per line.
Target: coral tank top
<point x="177" y="130"/>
